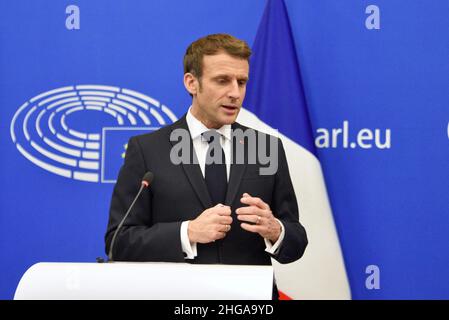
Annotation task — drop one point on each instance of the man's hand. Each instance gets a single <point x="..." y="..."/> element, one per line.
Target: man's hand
<point x="259" y="213"/>
<point x="212" y="224"/>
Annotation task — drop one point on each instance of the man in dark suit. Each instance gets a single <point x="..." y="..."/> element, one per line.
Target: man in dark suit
<point x="202" y="210"/>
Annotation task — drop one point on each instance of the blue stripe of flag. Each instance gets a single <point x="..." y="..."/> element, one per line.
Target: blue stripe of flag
<point x="275" y="91"/>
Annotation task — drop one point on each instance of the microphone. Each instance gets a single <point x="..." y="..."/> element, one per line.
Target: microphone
<point x="146" y="180"/>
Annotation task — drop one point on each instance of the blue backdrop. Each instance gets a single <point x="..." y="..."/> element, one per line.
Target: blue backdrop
<point x="376" y="83"/>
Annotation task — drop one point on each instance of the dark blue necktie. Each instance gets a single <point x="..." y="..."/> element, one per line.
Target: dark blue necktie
<point x="215" y="168"/>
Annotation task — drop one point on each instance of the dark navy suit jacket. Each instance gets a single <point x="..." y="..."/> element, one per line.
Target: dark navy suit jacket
<point x="179" y="193"/>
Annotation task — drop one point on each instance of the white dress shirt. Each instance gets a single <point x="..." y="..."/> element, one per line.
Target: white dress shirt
<point x="200" y="145"/>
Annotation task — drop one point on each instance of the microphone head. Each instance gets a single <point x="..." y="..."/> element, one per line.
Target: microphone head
<point x="147" y="178"/>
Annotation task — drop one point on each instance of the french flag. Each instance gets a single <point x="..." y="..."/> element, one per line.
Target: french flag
<point x="275" y="103"/>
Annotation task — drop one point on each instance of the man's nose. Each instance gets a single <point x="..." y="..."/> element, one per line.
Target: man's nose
<point x="234" y="90"/>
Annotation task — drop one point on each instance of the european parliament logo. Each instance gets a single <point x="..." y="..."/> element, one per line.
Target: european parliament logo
<point x="80" y="132"/>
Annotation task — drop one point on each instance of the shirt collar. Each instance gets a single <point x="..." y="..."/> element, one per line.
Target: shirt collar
<point x="197" y="128"/>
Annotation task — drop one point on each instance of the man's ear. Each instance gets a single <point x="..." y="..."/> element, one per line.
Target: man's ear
<point x="191" y="83"/>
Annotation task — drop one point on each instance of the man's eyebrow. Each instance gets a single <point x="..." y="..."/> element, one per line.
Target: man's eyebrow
<point x="226" y="76"/>
<point x="221" y="76"/>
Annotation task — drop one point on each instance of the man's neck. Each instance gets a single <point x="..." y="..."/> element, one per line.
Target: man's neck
<point x="208" y="124"/>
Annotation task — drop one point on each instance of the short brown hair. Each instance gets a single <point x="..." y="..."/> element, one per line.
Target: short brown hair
<point x="210" y="45"/>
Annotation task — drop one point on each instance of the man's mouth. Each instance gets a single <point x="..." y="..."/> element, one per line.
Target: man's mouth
<point x="229" y="107"/>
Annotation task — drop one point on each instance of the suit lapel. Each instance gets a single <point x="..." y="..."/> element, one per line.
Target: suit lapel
<point x="193" y="171"/>
<point x="237" y="171"/>
<point x="195" y="176"/>
<point x="235" y="177"/>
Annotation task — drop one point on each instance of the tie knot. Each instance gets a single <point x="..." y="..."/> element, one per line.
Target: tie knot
<point x="210" y="136"/>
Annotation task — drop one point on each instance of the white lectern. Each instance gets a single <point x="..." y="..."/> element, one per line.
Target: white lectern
<point x="145" y="280"/>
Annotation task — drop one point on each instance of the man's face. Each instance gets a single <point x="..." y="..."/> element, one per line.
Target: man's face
<point x="220" y="91"/>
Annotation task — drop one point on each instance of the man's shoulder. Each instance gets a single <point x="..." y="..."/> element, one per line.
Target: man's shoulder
<point x="238" y="128"/>
<point x="160" y="134"/>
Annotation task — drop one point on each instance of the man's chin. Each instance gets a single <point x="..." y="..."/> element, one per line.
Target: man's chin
<point x="229" y="116"/>
<point x="228" y="120"/>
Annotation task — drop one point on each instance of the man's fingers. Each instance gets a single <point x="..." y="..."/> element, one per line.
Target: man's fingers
<point x="220" y="210"/>
<point x="219" y="205"/>
<point x="252" y="210"/>
<point x="224" y="228"/>
<point x="251" y="228"/>
<point x="249" y="210"/>
<point x="251" y="218"/>
<point x="223" y="210"/>
<point x="220" y="235"/>
<point x="254" y="201"/>
<point x="224" y="220"/>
